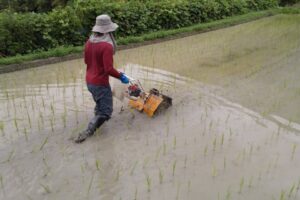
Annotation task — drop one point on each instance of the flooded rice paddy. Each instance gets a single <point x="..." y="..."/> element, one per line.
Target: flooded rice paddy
<point x="232" y="133"/>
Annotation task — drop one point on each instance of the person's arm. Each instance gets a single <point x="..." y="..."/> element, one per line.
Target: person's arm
<point x="108" y="62"/>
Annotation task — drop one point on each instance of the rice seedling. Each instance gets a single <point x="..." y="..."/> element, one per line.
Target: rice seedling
<point x="293" y="151"/>
<point x="2" y="127"/>
<point x="43" y="144"/>
<point x="210" y="125"/>
<point x="250" y="182"/>
<point x="51" y="120"/>
<point x="98" y="165"/>
<point x="164" y="149"/>
<point x="90" y="185"/>
<point x="214" y="171"/>
<point x="146" y="162"/>
<point x="214" y="144"/>
<point x="161" y="176"/>
<point x="1" y="182"/>
<point x="224" y="164"/>
<point x="228" y="194"/>
<point x="117" y="175"/>
<point x="46" y="188"/>
<point x="174" y="167"/>
<point x="282" y="195"/>
<point x="205" y="151"/>
<point x="174" y="142"/>
<point x="242" y="181"/>
<point x="222" y="140"/>
<point x="189" y="186"/>
<point x="10" y="156"/>
<point x="177" y="192"/>
<point x="64" y="119"/>
<point x="135" y="193"/>
<point x="157" y="153"/>
<point x="16" y="124"/>
<point x="133" y="168"/>
<point x="25" y="134"/>
<point x="148" y="182"/>
<point x="291" y="191"/>
<point x="29" y="120"/>
<point x="185" y="161"/>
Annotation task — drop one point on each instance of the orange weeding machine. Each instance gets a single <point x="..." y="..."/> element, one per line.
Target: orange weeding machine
<point x="151" y="102"/>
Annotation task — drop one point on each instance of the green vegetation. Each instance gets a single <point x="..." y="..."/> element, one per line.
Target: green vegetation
<point x="63" y="50"/>
<point x="288" y="2"/>
<point x="201" y="27"/>
<point x="32" y="5"/>
<point x="23" y="33"/>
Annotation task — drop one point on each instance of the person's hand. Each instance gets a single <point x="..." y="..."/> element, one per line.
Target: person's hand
<point x="124" y="78"/>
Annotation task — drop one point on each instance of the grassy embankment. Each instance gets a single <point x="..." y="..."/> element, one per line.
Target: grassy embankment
<point x="139" y="40"/>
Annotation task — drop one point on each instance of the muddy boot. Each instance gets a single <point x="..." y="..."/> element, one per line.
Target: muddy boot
<point x="94" y="124"/>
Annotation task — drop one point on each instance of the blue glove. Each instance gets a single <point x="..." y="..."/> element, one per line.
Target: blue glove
<point x="124" y="78"/>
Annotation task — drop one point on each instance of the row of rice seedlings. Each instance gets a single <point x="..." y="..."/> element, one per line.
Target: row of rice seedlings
<point x="294" y="147"/>
<point x="2" y="128"/>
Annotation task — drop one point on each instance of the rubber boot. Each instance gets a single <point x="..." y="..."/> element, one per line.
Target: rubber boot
<point x="94" y="124"/>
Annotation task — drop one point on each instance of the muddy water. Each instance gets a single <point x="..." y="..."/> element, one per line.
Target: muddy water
<point x="211" y="144"/>
<point x="251" y="63"/>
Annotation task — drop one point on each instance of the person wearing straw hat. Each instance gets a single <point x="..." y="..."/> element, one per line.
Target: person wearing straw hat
<point x="98" y="56"/>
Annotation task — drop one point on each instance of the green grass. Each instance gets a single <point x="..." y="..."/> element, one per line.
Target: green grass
<point x="56" y="52"/>
<point x="197" y="28"/>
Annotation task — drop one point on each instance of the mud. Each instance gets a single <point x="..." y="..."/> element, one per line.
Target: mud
<point x="219" y="140"/>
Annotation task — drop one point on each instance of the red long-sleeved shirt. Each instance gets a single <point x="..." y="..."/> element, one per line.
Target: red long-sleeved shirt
<point x="99" y="60"/>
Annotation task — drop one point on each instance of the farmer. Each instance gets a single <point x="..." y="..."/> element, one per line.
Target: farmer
<point x="98" y="56"/>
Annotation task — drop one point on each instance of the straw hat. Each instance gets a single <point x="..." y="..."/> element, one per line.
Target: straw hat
<point x="104" y="24"/>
